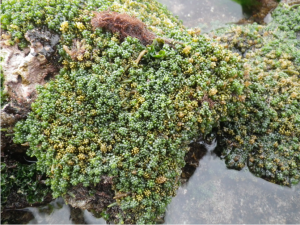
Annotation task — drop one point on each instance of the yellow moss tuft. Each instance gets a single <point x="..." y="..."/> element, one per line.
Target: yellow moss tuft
<point x="64" y="26"/>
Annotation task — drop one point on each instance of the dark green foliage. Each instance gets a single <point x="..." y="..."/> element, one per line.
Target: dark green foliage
<point x="19" y="16"/>
<point x="264" y="133"/>
<point x="24" y="180"/>
<point x="129" y="111"/>
<point x="108" y="114"/>
<point x="127" y="120"/>
<point x="3" y="95"/>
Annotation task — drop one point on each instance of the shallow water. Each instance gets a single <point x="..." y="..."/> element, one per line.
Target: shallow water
<point x="215" y="194"/>
<point x="57" y="212"/>
<point x="206" y="14"/>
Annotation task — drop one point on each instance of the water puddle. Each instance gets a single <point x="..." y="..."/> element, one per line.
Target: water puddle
<point x="56" y="212"/>
<point x="215" y="194"/>
<point x="213" y="14"/>
<point x="206" y="14"/>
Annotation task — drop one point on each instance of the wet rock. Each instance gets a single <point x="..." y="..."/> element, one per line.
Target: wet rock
<point x="7" y="120"/>
<point x="16" y="200"/>
<point x="192" y="158"/>
<point x="9" y="116"/>
<point x="77" y="215"/>
<point x="80" y="197"/>
<point x="24" y="70"/>
<point x="95" y="199"/>
<point x="43" y="42"/>
<point x="16" y="216"/>
<point x="257" y="11"/>
<point x="261" y="12"/>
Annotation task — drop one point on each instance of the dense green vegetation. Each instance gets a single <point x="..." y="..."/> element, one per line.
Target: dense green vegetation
<point x="23" y="180"/>
<point x="3" y="96"/>
<point x="264" y="133"/>
<point x="129" y="111"/>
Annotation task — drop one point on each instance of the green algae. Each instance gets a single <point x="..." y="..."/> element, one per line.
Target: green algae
<point x="22" y="180"/>
<point x="264" y="134"/>
<point x="3" y="95"/>
<point x="107" y="113"/>
<point x="126" y="120"/>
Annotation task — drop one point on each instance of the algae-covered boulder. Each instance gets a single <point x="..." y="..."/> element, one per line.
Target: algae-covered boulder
<point x="134" y="90"/>
<point x="264" y="132"/>
<point x="126" y="110"/>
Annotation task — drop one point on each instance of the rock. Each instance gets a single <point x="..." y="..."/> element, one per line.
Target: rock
<point x="24" y="70"/>
<point x="95" y="199"/>
<point x="10" y="115"/>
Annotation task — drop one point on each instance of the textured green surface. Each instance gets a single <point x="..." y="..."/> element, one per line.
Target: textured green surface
<point x="3" y="96"/>
<point x="21" y="179"/>
<point x="264" y="132"/>
<point x="107" y="114"/>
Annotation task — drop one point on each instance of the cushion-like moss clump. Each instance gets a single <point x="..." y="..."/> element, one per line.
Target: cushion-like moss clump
<point x="108" y="113"/>
<point x="111" y="116"/>
<point x="265" y="134"/>
<point x="129" y="111"/>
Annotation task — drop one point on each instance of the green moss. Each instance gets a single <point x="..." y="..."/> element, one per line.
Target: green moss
<point x="264" y="134"/>
<point x="108" y="114"/>
<point x="3" y="95"/>
<point x="24" y="180"/>
<point x="125" y="120"/>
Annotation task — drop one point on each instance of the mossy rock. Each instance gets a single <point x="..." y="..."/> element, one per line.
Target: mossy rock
<point x="21" y="185"/>
<point x="264" y="134"/>
<point x="128" y="111"/>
